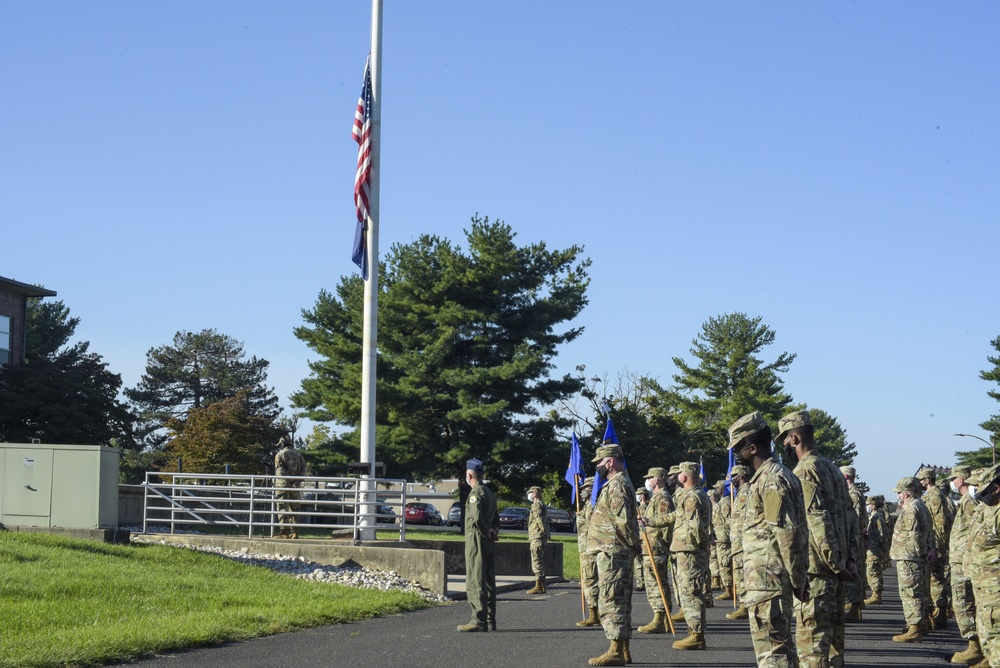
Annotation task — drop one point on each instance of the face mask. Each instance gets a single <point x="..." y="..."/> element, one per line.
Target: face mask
<point x="954" y="487"/>
<point x="602" y="471"/>
<point x="638" y="499"/>
<point x="649" y="485"/>
<point x="986" y="496"/>
<point x="531" y="497"/>
<point x="790" y="454"/>
<point x="972" y="490"/>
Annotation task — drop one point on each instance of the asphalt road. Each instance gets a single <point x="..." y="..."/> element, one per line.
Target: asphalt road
<point x="539" y="631"/>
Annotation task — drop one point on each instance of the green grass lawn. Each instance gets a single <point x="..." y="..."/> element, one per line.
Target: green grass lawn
<point x="77" y="602"/>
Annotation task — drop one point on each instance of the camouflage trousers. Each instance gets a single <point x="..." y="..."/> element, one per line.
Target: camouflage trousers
<point x="912" y="576"/>
<point x="287" y="490"/>
<point x="771" y="632"/>
<point x="614" y="598"/>
<point x="738" y="574"/>
<point x="873" y="571"/>
<point x="536" y="547"/>
<point x="639" y="572"/>
<point x="694" y="586"/>
<point x="939" y="587"/>
<point x="856" y="589"/>
<point x="819" y="623"/>
<point x="963" y="602"/>
<point x="723" y="550"/>
<point x="989" y="632"/>
<point x="588" y="578"/>
<point x="656" y="601"/>
<point x="713" y="560"/>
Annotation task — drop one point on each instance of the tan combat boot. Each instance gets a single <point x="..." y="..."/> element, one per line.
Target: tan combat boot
<point x="294" y="534"/>
<point x="972" y="655"/>
<point x="593" y="620"/>
<point x="628" y="654"/>
<point x="739" y="613"/>
<point x="658" y="625"/>
<point x="726" y="595"/>
<point x="471" y="627"/>
<point x="692" y="641"/>
<point x="876" y="598"/>
<point x="677" y="616"/>
<point x="615" y="656"/>
<point x="539" y="587"/>
<point x="985" y="663"/>
<point x="912" y="634"/>
<point x="716" y="583"/>
<point x="852" y="614"/>
<point x="282" y="534"/>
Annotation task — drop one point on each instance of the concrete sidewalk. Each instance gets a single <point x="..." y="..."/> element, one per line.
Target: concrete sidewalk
<point x="541" y="631"/>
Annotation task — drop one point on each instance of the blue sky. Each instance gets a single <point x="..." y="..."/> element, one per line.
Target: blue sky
<point x="831" y="168"/>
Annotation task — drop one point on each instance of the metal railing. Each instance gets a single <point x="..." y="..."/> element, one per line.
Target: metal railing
<point x="186" y="500"/>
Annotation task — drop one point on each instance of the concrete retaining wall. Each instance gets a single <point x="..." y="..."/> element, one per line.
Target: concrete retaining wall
<point x="511" y="558"/>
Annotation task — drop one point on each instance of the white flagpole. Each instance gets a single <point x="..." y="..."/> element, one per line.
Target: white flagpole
<point x="370" y="340"/>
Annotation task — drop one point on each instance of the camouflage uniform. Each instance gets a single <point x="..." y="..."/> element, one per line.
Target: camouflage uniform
<point x="481" y="517"/>
<point x="613" y="541"/>
<point x="588" y="568"/>
<point x="942" y="513"/>
<point x="963" y="601"/>
<point x="538" y="536"/>
<point x="690" y="547"/>
<point x="288" y="462"/>
<point x="775" y="541"/>
<point x="877" y="542"/>
<point x="721" y="513"/>
<point x="659" y="517"/>
<point x="736" y="538"/>
<point x="984" y="558"/>
<point x="855" y="591"/>
<point x="911" y="541"/>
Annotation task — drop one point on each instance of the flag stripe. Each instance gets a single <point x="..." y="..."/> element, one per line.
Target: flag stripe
<point x="362" y="134"/>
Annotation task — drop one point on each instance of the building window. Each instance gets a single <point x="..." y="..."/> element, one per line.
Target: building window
<point x="5" y="339"/>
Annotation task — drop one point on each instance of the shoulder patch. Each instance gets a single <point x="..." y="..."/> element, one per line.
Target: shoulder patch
<point x="772" y="505"/>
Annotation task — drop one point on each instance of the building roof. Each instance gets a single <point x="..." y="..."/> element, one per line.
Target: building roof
<point x="24" y="288"/>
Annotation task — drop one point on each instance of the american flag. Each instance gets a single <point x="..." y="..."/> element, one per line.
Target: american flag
<point x="362" y="134"/>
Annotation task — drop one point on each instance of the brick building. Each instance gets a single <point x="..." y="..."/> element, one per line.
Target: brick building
<point x="13" y="313"/>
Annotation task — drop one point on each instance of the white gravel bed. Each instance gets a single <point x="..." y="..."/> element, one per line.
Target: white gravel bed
<point x="304" y="569"/>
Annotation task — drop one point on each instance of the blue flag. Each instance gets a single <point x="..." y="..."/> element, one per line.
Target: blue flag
<point x="574" y="472"/>
<point x="610" y="438"/>
<point x="701" y="472"/>
<point x="727" y="487"/>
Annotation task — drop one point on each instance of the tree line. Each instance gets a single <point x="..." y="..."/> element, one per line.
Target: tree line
<point x="468" y="337"/>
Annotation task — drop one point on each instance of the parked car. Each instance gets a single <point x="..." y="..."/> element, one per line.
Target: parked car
<point x="514" y="517"/>
<point x="560" y="520"/>
<point x="455" y="515"/>
<point x="385" y="513"/>
<point x="423" y="513"/>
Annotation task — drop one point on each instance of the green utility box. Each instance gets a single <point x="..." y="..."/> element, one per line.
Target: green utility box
<point x="70" y="486"/>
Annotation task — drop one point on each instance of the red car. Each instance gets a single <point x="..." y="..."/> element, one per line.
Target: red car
<point x="422" y="513"/>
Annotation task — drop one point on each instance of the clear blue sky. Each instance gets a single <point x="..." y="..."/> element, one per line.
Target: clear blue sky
<point x="831" y="168"/>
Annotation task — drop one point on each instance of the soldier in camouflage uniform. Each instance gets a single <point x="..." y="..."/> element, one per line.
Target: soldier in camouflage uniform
<point x="613" y="540"/>
<point x="877" y="540"/>
<point x="855" y="590"/>
<point x="721" y="512"/>
<point x="288" y="462"/>
<point x="482" y="530"/>
<point x="942" y="511"/>
<point x="775" y="542"/>
<point x="657" y="520"/>
<point x="963" y="600"/>
<point x="912" y="543"/>
<point x="538" y="536"/>
<point x="833" y="547"/>
<point x="690" y="547"/>
<point x="982" y="562"/>
<point x="638" y="568"/>
<point x="738" y="476"/>
<point x="588" y="568"/>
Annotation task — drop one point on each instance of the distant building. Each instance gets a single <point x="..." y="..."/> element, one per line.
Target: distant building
<point x="13" y="314"/>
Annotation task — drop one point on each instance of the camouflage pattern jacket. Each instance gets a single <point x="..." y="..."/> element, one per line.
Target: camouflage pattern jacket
<point x="289" y="461"/>
<point x="538" y="522"/>
<point x="860" y="511"/>
<point x="736" y="519"/>
<point x="692" y="521"/>
<point x="964" y="511"/>
<point x="774" y="533"/>
<point x="942" y="511"/>
<point x="878" y="535"/>
<point x="583" y="524"/>
<point x="828" y="514"/>
<point x="984" y="558"/>
<point x="912" y="538"/>
<point x="722" y="511"/>
<point x="659" y="516"/>
<point x="614" y="526"/>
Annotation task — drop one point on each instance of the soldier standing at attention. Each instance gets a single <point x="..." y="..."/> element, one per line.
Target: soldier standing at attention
<point x="538" y="536"/>
<point x="713" y="553"/>
<point x="482" y="530"/>
<point x="721" y="514"/>
<point x="738" y="477"/>
<point x="775" y="541"/>
<point x="588" y="569"/>
<point x="658" y="518"/>
<point x="856" y="589"/>
<point x="638" y="568"/>
<point x="912" y="545"/>
<point x="819" y="622"/>
<point x="288" y="462"/>
<point x="690" y="547"/>
<point x="942" y="512"/>
<point x="877" y="540"/>
<point x="984" y="558"/>
<point x="613" y="540"/>
<point x="963" y="601"/>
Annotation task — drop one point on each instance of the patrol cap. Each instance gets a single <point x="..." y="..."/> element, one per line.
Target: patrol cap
<point x="613" y="450"/>
<point x="740" y="469"/>
<point x="926" y="472"/>
<point x="474" y="465"/>
<point x="656" y="472"/>
<point x="642" y="491"/>
<point x="719" y="485"/>
<point x="848" y="471"/>
<point x="689" y="467"/>
<point x="674" y="470"/>
<point x="875" y="499"/>
<point x="588" y="483"/>
<point x="960" y="471"/>
<point x="908" y="484"/>
<point x="536" y="489"/>
<point x="988" y="476"/>
<point x="975" y="478"/>
<point x="792" y="421"/>
<point x="748" y="425"/>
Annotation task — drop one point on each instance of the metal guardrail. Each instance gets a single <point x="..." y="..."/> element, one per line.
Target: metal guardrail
<point x="182" y="500"/>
